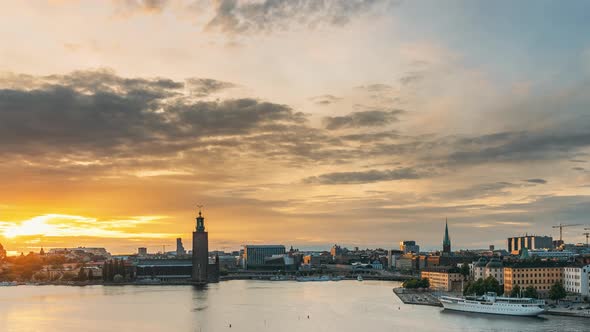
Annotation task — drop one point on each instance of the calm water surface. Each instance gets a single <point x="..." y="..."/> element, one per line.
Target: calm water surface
<point x="248" y="306"/>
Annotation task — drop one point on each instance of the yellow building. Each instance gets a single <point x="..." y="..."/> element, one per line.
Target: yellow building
<point x="443" y="279"/>
<point x="540" y="277"/>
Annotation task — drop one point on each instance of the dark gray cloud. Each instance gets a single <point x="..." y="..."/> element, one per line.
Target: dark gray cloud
<point x="202" y="87"/>
<point x="481" y="190"/>
<point x="362" y="119"/>
<point x="93" y="81"/>
<point x="538" y="181"/>
<point x="98" y="115"/>
<point x="373" y="137"/>
<point x="521" y="146"/>
<point x="325" y="99"/>
<point x="364" y="177"/>
<point x="411" y="77"/>
<point x="103" y="113"/>
<point x="233" y="16"/>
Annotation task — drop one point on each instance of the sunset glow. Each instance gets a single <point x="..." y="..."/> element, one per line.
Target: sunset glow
<point x="358" y="124"/>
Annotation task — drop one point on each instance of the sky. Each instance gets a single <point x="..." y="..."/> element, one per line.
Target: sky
<point x="299" y="122"/>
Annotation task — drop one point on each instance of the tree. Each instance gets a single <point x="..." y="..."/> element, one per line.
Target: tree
<point x="81" y="274"/>
<point x="105" y="271"/>
<point x="515" y="292"/>
<point x="465" y="271"/>
<point x="492" y="285"/>
<point x="557" y="291"/>
<point x="40" y="276"/>
<point x="90" y="275"/>
<point x="410" y="283"/>
<point x="67" y="276"/>
<point x="112" y="273"/>
<point x="482" y="286"/>
<point x="531" y="292"/>
<point x="424" y="283"/>
<point x="118" y="278"/>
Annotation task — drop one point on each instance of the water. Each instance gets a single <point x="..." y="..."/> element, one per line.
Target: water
<point x="246" y="305"/>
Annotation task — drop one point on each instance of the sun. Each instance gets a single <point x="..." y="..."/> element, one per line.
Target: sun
<point x="35" y="226"/>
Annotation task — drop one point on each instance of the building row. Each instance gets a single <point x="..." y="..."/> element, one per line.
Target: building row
<point x="540" y="275"/>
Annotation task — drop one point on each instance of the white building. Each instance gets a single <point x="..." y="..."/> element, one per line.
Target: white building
<point x="479" y="267"/>
<point x="576" y="279"/>
<point x="494" y="268"/>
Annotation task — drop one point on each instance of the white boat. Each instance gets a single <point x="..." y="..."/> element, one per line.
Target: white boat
<point x="8" y="283"/>
<point x="359" y="278"/>
<point x="492" y="304"/>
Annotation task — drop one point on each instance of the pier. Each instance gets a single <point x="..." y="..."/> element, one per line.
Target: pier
<point x="412" y="296"/>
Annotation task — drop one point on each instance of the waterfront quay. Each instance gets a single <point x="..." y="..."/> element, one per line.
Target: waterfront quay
<point x="429" y="298"/>
<point x="419" y="297"/>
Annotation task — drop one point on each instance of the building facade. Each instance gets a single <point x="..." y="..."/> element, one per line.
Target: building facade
<point x="254" y="255"/>
<point x="576" y="279"/>
<point x="443" y="279"/>
<point x="164" y="269"/>
<point x="336" y="250"/>
<point x="495" y="269"/>
<point x="479" y="269"/>
<point x="531" y="242"/>
<point x="409" y="247"/>
<point x="540" y="277"/>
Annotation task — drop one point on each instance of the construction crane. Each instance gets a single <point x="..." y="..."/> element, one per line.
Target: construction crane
<point x="561" y="226"/>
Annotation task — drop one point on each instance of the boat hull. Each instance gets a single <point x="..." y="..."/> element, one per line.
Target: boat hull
<point x="493" y="309"/>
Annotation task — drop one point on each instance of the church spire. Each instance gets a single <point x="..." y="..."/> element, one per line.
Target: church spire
<point x="447" y="239"/>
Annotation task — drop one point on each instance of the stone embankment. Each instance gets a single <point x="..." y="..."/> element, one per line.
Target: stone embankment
<point x="566" y="312"/>
<point x="414" y="296"/>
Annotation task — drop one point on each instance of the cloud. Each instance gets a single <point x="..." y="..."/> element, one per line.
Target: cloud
<point x="521" y="146"/>
<point x="478" y="191"/>
<point x="376" y="88"/>
<point x="104" y="114"/>
<point x="131" y="7"/>
<point x="411" y="77"/>
<point x="202" y="87"/>
<point x="539" y="181"/>
<point x="364" y="177"/>
<point x="325" y="100"/>
<point x="362" y="119"/>
<point x="233" y="16"/>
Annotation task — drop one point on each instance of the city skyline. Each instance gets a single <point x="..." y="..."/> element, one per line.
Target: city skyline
<point x="362" y="123"/>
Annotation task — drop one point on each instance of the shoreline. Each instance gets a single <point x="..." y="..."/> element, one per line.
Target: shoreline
<point x="188" y="282"/>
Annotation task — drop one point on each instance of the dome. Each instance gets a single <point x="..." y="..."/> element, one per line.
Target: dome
<point x="481" y="262"/>
<point x="494" y="263"/>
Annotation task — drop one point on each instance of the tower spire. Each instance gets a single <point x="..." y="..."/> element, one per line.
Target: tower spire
<point x="200" y="220"/>
<point x="447" y="239"/>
